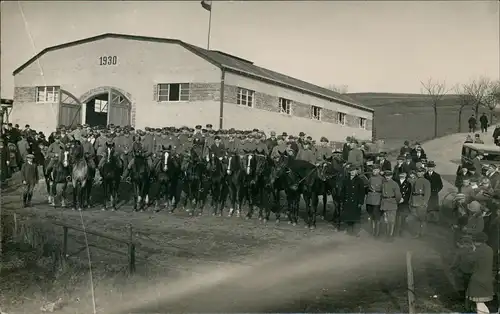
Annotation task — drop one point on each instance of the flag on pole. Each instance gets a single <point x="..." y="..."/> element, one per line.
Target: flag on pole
<point x="207" y="5"/>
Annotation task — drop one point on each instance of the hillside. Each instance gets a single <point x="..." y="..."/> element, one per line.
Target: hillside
<point x="411" y="116"/>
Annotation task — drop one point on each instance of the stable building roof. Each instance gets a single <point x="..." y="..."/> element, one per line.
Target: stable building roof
<point x="224" y="61"/>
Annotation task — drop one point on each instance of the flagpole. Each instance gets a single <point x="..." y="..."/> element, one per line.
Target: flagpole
<point x="209" y="27"/>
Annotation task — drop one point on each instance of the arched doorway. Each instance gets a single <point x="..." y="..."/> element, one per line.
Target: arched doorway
<point x="99" y="107"/>
<point x="103" y="106"/>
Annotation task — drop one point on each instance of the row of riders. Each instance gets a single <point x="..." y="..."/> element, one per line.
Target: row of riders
<point x="245" y="166"/>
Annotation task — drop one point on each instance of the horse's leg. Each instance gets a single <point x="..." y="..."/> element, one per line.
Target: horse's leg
<point x="105" y="187"/>
<point x="325" y="200"/>
<point x="276" y="202"/>
<point x="53" y="192"/>
<point x="289" y="198"/>
<point x="312" y="216"/>
<point x="82" y="188"/>
<point x="314" y="202"/>
<point x="136" y="195"/>
<point x="63" y="193"/>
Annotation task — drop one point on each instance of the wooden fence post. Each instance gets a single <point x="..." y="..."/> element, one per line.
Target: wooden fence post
<point x="411" y="284"/>
<point x="131" y="251"/>
<point x="65" y="242"/>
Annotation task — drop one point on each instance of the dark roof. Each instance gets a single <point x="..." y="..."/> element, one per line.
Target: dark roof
<point x="5" y="101"/>
<point x="224" y="61"/>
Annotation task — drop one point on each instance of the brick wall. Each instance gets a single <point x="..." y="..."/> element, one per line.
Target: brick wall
<point x="204" y="91"/>
<point x="25" y="94"/>
<point x="329" y="116"/>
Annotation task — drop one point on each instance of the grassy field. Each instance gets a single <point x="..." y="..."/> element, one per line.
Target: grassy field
<point x="400" y="117"/>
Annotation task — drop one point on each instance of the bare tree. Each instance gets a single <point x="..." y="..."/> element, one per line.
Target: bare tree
<point x="464" y="100"/>
<point x="341" y="89"/>
<point x="478" y="90"/>
<point x="492" y="99"/>
<point x="435" y="90"/>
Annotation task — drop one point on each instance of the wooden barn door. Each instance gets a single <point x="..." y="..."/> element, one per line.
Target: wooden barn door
<point x="70" y="110"/>
<point x="118" y="109"/>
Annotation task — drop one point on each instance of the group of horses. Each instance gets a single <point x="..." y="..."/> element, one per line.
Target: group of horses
<point x="251" y="178"/>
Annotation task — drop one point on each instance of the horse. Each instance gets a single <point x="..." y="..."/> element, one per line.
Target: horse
<point x="233" y="182"/>
<point x="255" y="188"/>
<point x="166" y="173"/>
<point x="79" y="174"/>
<point x="111" y="171"/>
<point x="299" y="177"/>
<point x="140" y="179"/>
<point x="327" y="184"/>
<point x="60" y="174"/>
<point x="199" y="183"/>
<point x="217" y="172"/>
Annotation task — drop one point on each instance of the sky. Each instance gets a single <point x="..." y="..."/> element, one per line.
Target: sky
<point x="370" y="46"/>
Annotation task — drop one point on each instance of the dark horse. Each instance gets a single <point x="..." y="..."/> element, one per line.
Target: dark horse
<point x="299" y="177"/>
<point x="217" y="173"/>
<point x="111" y="171"/>
<point x="234" y="180"/>
<point x="166" y="173"/>
<point x="79" y="174"/>
<point x="140" y="179"/>
<point x="255" y="187"/>
<point x="60" y="175"/>
<point x="197" y="183"/>
<point x="326" y="184"/>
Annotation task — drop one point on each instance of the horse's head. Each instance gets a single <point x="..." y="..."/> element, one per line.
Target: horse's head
<point x="165" y="159"/>
<point x="65" y="155"/>
<point x="260" y="164"/>
<point x="110" y="151"/>
<point x="279" y="167"/>
<point x="215" y="163"/>
<point x="185" y="162"/>
<point x="248" y="163"/>
<point x="126" y="149"/>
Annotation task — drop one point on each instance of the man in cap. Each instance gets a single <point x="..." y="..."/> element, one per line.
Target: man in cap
<point x="293" y="146"/>
<point x="323" y="151"/>
<point x="419" y="200"/>
<point x="279" y="149"/>
<point x="404" y="203"/>
<point x="260" y="145"/>
<point x="29" y="176"/>
<point x="483" y="120"/>
<point x="373" y="199"/>
<point x="217" y="148"/>
<point x="88" y="150"/>
<point x="355" y="156"/>
<point x="352" y="198"/>
<point x="138" y="149"/>
<point x="301" y="140"/>
<point x="477" y="139"/>
<point x="398" y="167"/>
<point x="55" y="150"/>
<point x="209" y="127"/>
<point x="391" y="197"/>
<point x="306" y="153"/>
<point x="346" y="148"/>
<point x="65" y="137"/>
<point x="77" y="133"/>
<point x="100" y="142"/>
<point x="409" y="165"/>
<point x="232" y="144"/>
<point x="436" y="187"/>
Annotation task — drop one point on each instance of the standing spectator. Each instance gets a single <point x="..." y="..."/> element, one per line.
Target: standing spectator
<point x="29" y="175"/>
<point x="4" y="160"/>
<point x="406" y="149"/>
<point x="483" y="120"/>
<point x="477" y="139"/>
<point x="23" y="147"/>
<point x="472" y="124"/>
<point x="436" y="187"/>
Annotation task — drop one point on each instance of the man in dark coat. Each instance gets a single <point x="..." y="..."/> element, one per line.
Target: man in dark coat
<point x="418" y="153"/>
<point x="483" y="120"/>
<point x="385" y="165"/>
<point x="29" y="175"/>
<point x="406" y="149"/>
<point x="352" y="198"/>
<point x="472" y="124"/>
<point x="271" y="142"/>
<point x="4" y="159"/>
<point x="217" y="148"/>
<point x="496" y="135"/>
<point x="436" y="187"/>
<point x="404" y="203"/>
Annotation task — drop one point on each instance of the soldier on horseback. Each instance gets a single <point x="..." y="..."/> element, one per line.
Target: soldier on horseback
<point x="55" y="149"/>
<point x="137" y="150"/>
<point x="88" y="150"/>
<point x="323" y="152"/>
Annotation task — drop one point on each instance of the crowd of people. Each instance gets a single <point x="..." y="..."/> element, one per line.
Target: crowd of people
<point x="403" y="197"/>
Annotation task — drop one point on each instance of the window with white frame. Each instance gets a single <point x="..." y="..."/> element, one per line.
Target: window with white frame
<point x="173" y="92"/>
<point x="285" y="105"/>
<point x="101" y="106"/>
<point x="245" y="97"/>
<point x="362" y="123"/>
<point x="341" y="118"/>
<point x="316" y="113"/>
<point x="47" y="94"/>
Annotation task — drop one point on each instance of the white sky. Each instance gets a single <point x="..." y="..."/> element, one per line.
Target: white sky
<point x="369" y="46"/>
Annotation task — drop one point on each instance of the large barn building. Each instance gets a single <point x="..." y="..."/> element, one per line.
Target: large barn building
<point x="156" y="82"/>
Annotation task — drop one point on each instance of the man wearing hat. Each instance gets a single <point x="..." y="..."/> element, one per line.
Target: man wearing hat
<point x="418" y="153"/>
<point x="65" y="137"/>
<point x="301" y="140"/>
<point x="29" y="176"/>
<point x="279" y="149"/>
<point x="306" y="153"/>
<point x="353" y="197"/>
<point x="323" y="151"/>
<point x="88" y="150"/>
<point x="385" y="165"/>
<point x="406" y="149"/>
<point x="77" y="133"/>
<point x="346" y="148"/>
<point x="391" y="197"/>
<point x="374" y="198"/>
<point x="398" y="167"/>
<point x="436" y="187"/>
<point x="409" y="165"/>
<point x="217" y="148"/>
<point x="419" y="200"/>
<point x="271" y="142"/>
